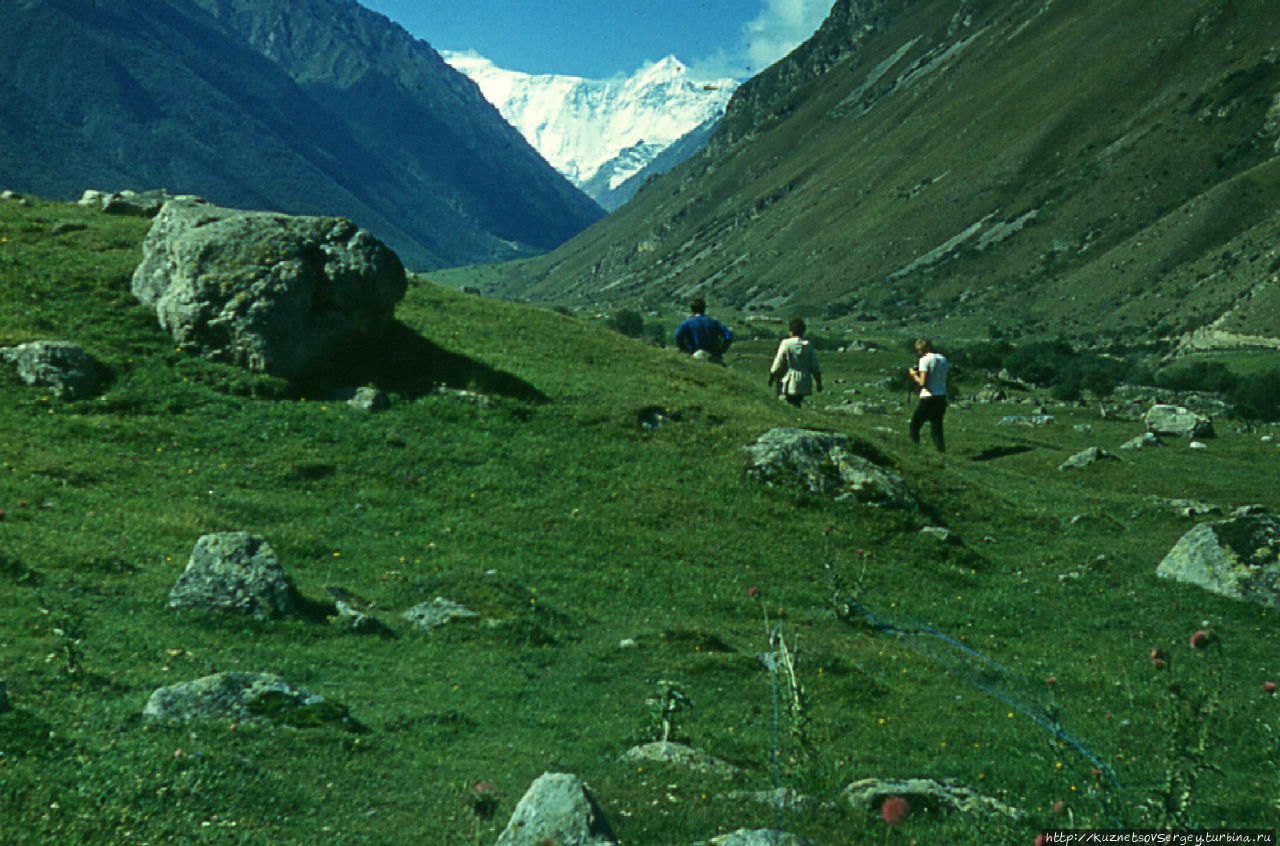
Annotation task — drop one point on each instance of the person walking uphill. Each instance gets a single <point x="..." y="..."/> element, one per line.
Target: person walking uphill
<point x="930" y="374"/>
<point x="795" y="366"/>
<point x="701" y="336"/>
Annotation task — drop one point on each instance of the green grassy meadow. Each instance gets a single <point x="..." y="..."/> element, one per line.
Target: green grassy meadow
<point x="610" y="557"/>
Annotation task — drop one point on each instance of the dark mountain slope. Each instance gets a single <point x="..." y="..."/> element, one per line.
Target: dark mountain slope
<point x="413" y="112"/>
<point x="148" y="93"/>
<point x="1044" y="167"/>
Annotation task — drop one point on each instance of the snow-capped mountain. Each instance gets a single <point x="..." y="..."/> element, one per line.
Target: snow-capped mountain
<point x="601" y="133"/>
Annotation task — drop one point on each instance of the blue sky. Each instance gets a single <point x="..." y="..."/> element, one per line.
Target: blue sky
<point x="599" y="39"/>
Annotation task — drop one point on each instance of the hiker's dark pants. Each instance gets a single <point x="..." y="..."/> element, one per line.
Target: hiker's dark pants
<point x="930" y="410"/>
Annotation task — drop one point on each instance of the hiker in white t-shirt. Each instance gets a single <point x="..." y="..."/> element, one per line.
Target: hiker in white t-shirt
<point x="795" y="367"/>
<point x="930" y="374"/>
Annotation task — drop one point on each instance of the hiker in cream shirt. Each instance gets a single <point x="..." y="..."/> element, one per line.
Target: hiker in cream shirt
<point x="795" y="367"/>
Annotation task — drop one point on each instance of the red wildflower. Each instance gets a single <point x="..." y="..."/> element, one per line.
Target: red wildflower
<point x="1269" y="687"/>
<point x="1159" y="658"/>
<point x="1201" y="639"/>
<point x="1051" y="681"/>
<point x="753" y="592"/>
<point x="894" y="811"/>
<point x="484" y="799"/>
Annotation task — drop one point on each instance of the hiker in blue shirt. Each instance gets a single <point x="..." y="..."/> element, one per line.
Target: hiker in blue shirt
<point x="703" y="337"/>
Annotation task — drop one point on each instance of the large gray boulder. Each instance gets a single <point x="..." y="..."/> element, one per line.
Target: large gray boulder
<point x="1178" y="422"/>
<point x="237" y="572"/>
<point x="270" y="292"/>
<point x="1237" y="558"/>
<point x="63" y="367"/>
<point x="557" y="808"/>
<point x="243" y="697"/>
<point x="825" y="463"/>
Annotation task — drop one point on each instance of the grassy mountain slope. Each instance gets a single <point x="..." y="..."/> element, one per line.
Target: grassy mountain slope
<point x="1044" y="168"/>
<point x="558" y="516"/>
<point x="372" y="125"/>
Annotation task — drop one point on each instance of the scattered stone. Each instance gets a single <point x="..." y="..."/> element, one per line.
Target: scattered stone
<point x="677" y="754"/>
<point x="353" y="612"/>
<point x="1144" y="441"/>
<point x="482" y="400"/>
<point x="1189" y="507"/>
<point x="991" y="393"/>
<point x="1178" y="421"/>
<point x="761" y="837"/>
<point x="266" y="291"/>
<point x="860" y="408"/>
<point x="132" y="204"/>
<point x="940" y="534"/>
<point x="10" y="195"/>
<point x="63" y="367"/>
<point x="1237" y="558"/>
<point x="245" y="697"/>
<point x="557" y="809"/>
<point x="437" y="612"/>
<point x="780" y="798"/>
<point x="861" y="346"/>
<point x="369" y="398"/>
<point x="237" y="572"/>
<point x="1082" y="427"/>
<point x="1084" y="458"/>
<point x="824" y="463"/>
<point x="925" y="795"/>
<point x="1198" y="445"/>
<point x="1025" y="420"/>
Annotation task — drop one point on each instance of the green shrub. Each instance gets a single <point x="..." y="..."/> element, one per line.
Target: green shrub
<point x="1199" y="376"/>
<point x="1257" y="397"/>
<point x="627" y="322"/>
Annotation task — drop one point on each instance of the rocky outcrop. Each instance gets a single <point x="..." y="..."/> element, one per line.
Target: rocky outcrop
<point x="63" y="367"/>
<point x="438" y="612"/>
<point x="825" y="463"/>
<point x="244" y="697"/>
<point x="269" y="292"/>
<point x="236" y="572"/>
<point x="1237" y="558"/>
<point x="557" y="809"/>
<point x="1085" y="457"/>
<point x="1178" y="421"/>
<point x="127" y="203"/>
<point x="680" y="755"/>
<point x="925" y="795"/>
<point x="761" y="837"/>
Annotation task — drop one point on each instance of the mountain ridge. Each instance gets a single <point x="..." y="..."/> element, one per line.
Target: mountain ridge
<point x="602" y="133"/>
<point x="275" y="105"/>
<point x="963" y="166"/>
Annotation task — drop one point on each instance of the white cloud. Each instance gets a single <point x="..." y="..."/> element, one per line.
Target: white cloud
<point x="779" y="28"/>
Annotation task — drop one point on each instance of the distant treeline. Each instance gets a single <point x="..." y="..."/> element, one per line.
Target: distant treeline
<point x="1069" y="372"/>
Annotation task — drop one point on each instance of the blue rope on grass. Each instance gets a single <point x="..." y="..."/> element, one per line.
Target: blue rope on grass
<point x="916" y="639"/>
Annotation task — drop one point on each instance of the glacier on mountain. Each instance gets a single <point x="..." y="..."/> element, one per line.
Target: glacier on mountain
<point x="601" y="133"/>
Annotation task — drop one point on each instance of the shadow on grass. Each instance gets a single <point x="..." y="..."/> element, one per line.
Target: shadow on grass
<point x="403" y="362"/>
